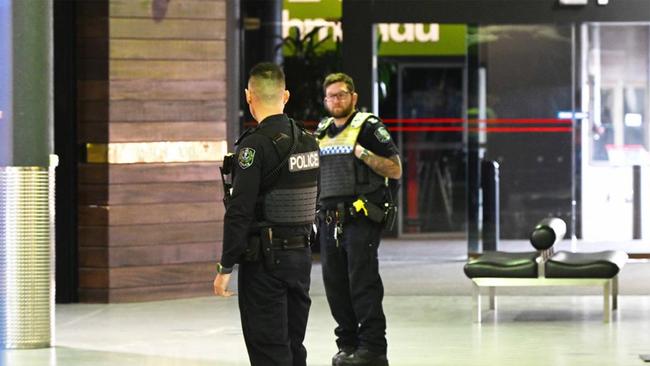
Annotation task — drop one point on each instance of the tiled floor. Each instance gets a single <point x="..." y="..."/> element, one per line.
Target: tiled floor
<point x="429" y="323"/>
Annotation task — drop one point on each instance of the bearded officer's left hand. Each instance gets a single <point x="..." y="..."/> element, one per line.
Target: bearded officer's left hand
<point x="358" y="150"/>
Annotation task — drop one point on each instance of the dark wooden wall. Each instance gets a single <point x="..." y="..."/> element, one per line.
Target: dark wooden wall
<point x="150" y="71"/>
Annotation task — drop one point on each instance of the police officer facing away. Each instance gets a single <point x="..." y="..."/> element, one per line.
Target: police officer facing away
<point x="357" y="157"/>
<point x="267" y="224"/>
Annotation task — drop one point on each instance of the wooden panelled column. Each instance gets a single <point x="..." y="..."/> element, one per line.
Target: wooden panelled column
<point x="151" y="112"/>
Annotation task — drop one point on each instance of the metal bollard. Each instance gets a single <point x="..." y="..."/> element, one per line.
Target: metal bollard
<point x="27" y="256"/>
<point x="637" y="203"/>
<point x="491" y="211"/>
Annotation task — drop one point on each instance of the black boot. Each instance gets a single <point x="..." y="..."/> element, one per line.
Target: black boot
<point x="364" y="357"/>
<point x="343" y="352"/>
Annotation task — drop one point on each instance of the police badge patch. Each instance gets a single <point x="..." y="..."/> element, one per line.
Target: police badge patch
<point x="382" y="134"/>
<point x="246" y="157"/>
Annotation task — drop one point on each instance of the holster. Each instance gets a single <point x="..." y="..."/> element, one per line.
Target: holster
<point x="226" y="176"/>
<point x="372" y="211"/>
<point x="391" y="216"/>
<point x="375" y="213"/>
<point x="383" y="215"/>
<point x="266" y="244"/>
<point x="314" y="234"/>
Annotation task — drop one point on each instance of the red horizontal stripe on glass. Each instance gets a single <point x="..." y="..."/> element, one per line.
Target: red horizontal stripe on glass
<point x="521" y="129"/>
<point x="424" y="129"/>
<point x="477" y="121"/>
<point x="488" y="129"/>
<point x="524" y="120"/>
<point x="423" y="120"/>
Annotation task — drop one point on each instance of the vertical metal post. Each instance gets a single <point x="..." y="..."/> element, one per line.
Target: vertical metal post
<point x="473" y="89"/>
<point x="357" y="50"/>
<point x="6" y="81"/>
<point x="490" y="187"/>
<point x="637" y="228"/>
<point x="233" y="49"/>
<point x="615" y="292"/>
<point x="26" y="175"/>
<point x="33" y="137"/>
<point x="607" y="307"/>
<point x="27" y="256"/>
<point x="493" y="298"/>
<point x="477" y="302"/>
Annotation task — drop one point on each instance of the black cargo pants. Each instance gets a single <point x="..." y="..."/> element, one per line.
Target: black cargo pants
<point x="274" y="307"/>
<point x="352" y="283"/>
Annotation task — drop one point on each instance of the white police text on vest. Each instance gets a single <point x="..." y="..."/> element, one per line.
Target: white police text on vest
<point x="303" y="161"/>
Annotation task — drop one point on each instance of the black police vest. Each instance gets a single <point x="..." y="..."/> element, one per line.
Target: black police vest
<point x="291" y="200"/>
<point x="342" y="174"/>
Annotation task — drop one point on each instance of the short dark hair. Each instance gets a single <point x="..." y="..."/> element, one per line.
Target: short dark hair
<point x="268" y="71"/>
<point x="338" y="77"/>
<point x="267" y="81"/>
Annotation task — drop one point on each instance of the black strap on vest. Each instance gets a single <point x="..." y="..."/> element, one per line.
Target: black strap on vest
<point x="284" y="161"/>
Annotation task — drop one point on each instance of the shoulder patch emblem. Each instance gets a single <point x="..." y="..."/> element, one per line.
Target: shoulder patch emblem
<point x="382" y="134"/>
<point x="246" y="157"/>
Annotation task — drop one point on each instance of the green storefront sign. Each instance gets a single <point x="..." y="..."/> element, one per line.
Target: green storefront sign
<point x="394" y="39"/>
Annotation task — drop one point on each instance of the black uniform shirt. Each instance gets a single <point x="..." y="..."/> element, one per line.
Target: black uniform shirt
<point x="373" y="136"/>
<point x="255" y="157"/>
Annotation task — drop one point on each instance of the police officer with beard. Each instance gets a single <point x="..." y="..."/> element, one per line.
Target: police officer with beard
<point x="358" y="157"/>
<point x="269" y="214"/>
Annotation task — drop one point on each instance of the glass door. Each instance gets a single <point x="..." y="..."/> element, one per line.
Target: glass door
<point x="616" y="84"/>
<point x="521" y="115"/>
<point x="430" y="126"/>
<point x="424" y="111"/>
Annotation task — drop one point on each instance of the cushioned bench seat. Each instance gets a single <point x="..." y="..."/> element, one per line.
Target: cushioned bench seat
<point x="502" y="269"/>
<point x="605" y="264"/>
<point x="543" y="268"/>
<point x="503" y="264"/>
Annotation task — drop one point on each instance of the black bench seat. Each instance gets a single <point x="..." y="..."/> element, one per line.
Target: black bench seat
<point x="545" y="268"/>
<point x="503" y="264"/>
<point x="605" y="264"/>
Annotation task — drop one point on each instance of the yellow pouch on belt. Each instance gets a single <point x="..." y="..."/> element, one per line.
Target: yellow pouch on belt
<point x="370" y="210"/>
<point x="359" y="205"/>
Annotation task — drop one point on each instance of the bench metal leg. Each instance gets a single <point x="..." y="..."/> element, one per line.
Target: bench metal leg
<point x="477" y="303"/>
<point x="607" y="309"/>
<point x="615" y="292"/>
<point x="493" y="298"/>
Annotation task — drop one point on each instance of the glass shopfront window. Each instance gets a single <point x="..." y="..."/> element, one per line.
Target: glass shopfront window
<point x="615" y="83"/>
<point x="520" y="85"/>
<point x="562" y="109"/>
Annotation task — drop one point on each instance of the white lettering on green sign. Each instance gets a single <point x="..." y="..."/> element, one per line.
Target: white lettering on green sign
<point x="389" y="32"/>
<point x="408" y="39"/>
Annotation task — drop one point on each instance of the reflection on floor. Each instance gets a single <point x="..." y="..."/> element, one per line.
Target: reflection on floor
<point x="429" y="323"/>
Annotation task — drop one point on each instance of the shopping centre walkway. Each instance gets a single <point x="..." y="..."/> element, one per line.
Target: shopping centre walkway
<point x="428" y="306"/>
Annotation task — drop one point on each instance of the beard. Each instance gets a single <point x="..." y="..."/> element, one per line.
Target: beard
<point x="342" y="111"/>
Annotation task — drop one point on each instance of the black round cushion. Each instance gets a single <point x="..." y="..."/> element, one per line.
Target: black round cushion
<point x="547" y="233"/>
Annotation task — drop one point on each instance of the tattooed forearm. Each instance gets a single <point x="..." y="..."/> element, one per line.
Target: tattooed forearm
<point x="386" y="167"/>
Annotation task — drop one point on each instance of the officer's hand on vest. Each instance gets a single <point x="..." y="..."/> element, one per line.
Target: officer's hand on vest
<point x="221" y="285"/>
<point x="360" y="152"/>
